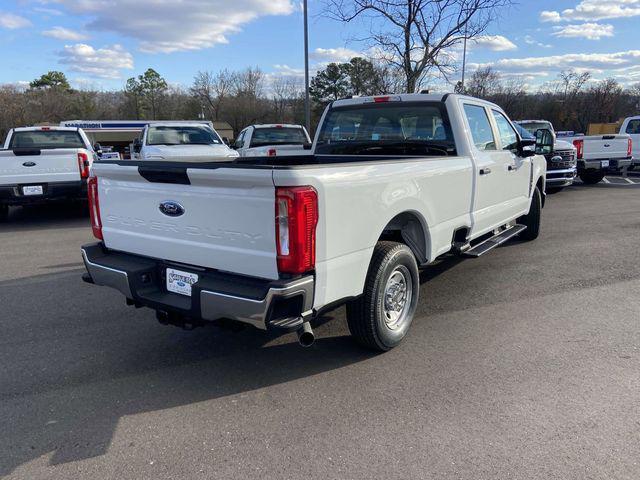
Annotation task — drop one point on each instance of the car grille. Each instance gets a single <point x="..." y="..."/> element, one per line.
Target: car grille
<point x="568" y="160"/>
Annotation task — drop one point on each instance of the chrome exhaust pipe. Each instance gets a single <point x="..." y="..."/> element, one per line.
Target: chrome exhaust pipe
<point x="305" y="335"/>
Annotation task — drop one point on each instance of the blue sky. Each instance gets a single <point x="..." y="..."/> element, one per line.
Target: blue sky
<point x="100" y="43"/>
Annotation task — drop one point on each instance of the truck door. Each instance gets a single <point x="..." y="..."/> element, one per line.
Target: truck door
<point x="491" y="193"/>
<point x="518" y="169"/>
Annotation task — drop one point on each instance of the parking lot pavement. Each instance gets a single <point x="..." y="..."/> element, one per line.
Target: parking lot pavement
<point x="521" y="364"/>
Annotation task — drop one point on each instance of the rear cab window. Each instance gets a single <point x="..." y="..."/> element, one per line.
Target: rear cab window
<point x="633" y="127"/>
<point x="480" y="127"/>
<point x="46" y="139"/>
<point x="278" y="136"/>
<point x="398" y="128"/>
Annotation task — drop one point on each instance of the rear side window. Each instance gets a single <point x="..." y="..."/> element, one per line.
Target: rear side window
<point x="46" y="139"/>
<point x="508" y="136"/>
<point x="633" y="127"/>
<point x="480" y="126"/>
<point x="278" y="136"/>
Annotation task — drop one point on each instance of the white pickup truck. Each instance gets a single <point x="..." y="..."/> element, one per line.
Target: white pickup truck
<point x="181" y="141"/>
<point x="631" y="126"/>
<point x="394" y="182"/>
<point x="42" y="164"/>
<point x="599" y="154"/>
<point x="272" y="140"/>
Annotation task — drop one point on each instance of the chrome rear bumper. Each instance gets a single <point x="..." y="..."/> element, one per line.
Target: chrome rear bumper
<point x="215" y="295"/>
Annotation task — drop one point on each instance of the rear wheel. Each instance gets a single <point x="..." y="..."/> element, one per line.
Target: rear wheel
<point x="591" y="178"/>
<point x="381" y="317"/>
<point x="532" y="219"/>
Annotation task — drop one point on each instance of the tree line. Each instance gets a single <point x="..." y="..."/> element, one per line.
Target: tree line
<point x="571" y="102"/>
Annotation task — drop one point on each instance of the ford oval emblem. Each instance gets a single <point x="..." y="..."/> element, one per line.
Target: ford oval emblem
<point x="171" y="209"/>
<point x="29" y="164"/>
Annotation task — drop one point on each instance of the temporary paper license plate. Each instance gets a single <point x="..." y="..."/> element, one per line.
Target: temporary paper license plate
<point x="180" y="282"/>
<point x="32" y="190"/>
<point x="605" y="163"/>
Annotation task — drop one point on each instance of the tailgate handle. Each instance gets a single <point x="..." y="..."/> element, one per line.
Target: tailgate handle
<point x="174" y="175"/>
<point x="23" y="152"/>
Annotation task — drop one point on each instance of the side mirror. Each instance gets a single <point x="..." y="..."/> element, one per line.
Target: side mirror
<point x="226" y="141"/>
<point x="137" y="145"/>
<point x="544" y="141"/>
<point x="97" y="148"/>
<point x="307" y="146"/>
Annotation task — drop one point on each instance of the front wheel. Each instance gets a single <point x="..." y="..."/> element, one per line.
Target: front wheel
<point x="381" y="317"/>
<point x="532" y="219"/>
<point x="591" y="178"/>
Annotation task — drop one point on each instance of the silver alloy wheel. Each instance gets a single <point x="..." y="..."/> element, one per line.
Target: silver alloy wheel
<point x="398" y="293"/>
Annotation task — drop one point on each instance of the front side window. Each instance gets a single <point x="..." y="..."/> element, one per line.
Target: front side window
<point x="508" y="136"/>
<point x="394" y="128"/>
<point x="480" y="127"/>
<point x="633" y="127"/>
<point x="187" y="135"/>
<point x="46" y="139"/>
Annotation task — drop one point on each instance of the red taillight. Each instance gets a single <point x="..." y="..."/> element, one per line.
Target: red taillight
<point x="83" y="165"/>
<point x="296" y="220"/>
<point x="271" y="152"/>
<point x="94" y="207"/>
<point x="381" y="99"/>
<point x="629" y="147"/>
<point x="579" y="144"/>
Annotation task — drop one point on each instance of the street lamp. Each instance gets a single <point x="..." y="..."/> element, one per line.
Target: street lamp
<point x="307" y="104"/>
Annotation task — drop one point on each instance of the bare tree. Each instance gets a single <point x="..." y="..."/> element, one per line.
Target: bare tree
<point x="211" y="89"/>
<point x="286" y="90"/>
<point x="416" y="36"/>
<point x="484" y="83"/>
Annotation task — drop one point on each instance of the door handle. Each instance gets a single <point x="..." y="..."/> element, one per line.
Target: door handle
<point x="485" y="171"/>
<point x="513" y="167"/>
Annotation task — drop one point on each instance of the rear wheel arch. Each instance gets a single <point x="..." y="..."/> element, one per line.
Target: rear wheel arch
<point x="410" y="228"/>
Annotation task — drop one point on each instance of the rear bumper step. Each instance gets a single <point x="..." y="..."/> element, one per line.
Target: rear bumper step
<point x="216" y="295"/>
<point x="495" y="241"/>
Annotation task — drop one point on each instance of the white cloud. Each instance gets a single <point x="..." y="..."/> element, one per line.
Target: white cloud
<point x="590" y="31"/>
<point x="529" y="40"/>
<point x="62" y="33"/>
<point x="585" y="61"/>
<point x="47" y="11"/>
<point x="169" y="26"/>
<point x="549" y="16"/>
<point x="330" y="55"/>
<point x="13" y="22"/>
<point x="497" y="43"/>
<point x="592" y="10"/>
<point x="287" y="71"/>
<point x="106" y="62"/>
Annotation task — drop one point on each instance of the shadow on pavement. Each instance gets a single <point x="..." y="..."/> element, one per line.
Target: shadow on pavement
<point x="67" y="380"/>
<point x="38" y="217"/>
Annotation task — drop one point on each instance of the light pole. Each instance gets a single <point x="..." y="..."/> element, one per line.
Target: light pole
<point x="464" y="57"/>
<point x="307" y="104"/>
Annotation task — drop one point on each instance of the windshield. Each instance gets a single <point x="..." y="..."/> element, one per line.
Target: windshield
<point x="46" y="139"/>
<point x="531" y="127"/>
<point x="187" y="135"/>
<point x="524" y="134"/>
<point x="418" y="128"/>
<point x="278" y="136"/>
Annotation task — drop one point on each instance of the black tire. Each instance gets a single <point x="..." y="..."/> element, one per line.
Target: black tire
<point x="532" y="219"/>
<point x="591" y="178"/>
<point x="368" y="316"/>
<point x="4" y="213"/>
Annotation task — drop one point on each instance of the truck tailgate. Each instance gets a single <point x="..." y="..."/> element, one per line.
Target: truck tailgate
<point x="226" y="220"/>
<point x="39" y="166"/>
<point x="605" y="147"/>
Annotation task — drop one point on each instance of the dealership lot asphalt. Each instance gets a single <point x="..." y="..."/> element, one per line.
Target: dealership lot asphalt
<point x="524" y="363"/>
